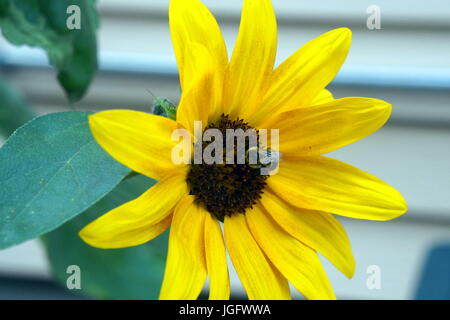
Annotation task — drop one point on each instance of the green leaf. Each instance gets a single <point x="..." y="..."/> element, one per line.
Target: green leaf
<point x="130" y="273"/>
<point x="14" y="110"/>
<point x="51" y="169"/>
<point x="43" y="23"/>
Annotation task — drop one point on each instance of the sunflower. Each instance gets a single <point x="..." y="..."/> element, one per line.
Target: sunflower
<point x="273" y="226"/>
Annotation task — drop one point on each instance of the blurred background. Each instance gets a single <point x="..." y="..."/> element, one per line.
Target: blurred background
<point x="406" y="62"/>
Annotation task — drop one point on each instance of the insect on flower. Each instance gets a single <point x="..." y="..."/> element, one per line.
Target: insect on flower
<point x="274" y="225"/>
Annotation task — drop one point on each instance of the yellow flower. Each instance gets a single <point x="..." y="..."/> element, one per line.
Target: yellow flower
<point x="274" y="226"/>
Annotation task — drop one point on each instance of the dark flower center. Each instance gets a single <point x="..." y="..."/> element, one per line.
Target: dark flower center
<point x="227" y="188"/>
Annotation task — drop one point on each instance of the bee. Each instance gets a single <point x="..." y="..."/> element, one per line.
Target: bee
<point x="266" y="157"/>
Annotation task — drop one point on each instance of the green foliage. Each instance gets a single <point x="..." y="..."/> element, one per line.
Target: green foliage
<point x="51" y="170"/>
<point x="130" y="273"/>
<point x="54" y="178"/>
<point x="14" y="110"/>
<point x="42" y="23"/>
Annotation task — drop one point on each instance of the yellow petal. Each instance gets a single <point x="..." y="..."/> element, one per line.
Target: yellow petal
<point x="298" y="80"/>
<point x="316" y="130"/>
<point x="202" y="96"/>
<point x="216" y="260"/>
<point x="318" y="230"/>
<point x="139" y="220"/>
<point x="185" y="272"/>
<point x="191" y="22"/>
<point x="324" y="96"/>
<point x="259" y="278"/>
<point x="251" y="65"/>
<point x="138" y="140"/>
<point x="297" y="262"/>
<point x="329" y="185"/>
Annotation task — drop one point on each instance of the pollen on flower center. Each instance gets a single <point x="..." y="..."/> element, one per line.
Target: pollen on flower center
<point x="226" y="189"/>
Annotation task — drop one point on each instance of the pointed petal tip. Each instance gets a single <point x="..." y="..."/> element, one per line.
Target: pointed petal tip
<point x="344" y="32"/>
<point x="396" y="212"/>
<point x="100" y="117"/>
<point x="380" y="103"/>
<point x="350" y="271"/>
<point x="81" y="234"/>
<point x="384" y="107"/>
<point x="84" y="233"/>
<point x="399" y="205"/>
<point x="87" y="238"/>
<point x="387" y="106"/>
<point x="403" y="206"/>
<point x="92" y="118"/>
<point x="341" y="36"/>
<point x="96" y="121"/>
